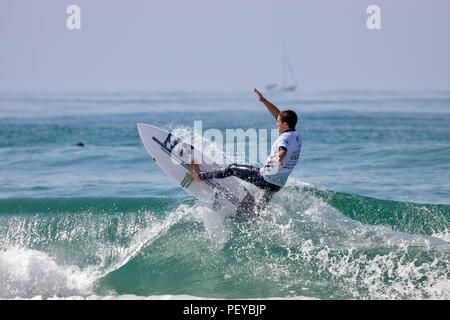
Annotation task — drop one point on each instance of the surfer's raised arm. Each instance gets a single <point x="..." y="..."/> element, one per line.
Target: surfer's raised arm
<point x="269" y="105"/>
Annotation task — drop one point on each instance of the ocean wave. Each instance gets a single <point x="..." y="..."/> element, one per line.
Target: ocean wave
<point x="309" y="242"/>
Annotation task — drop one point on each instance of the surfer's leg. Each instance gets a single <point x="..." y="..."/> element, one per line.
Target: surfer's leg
<point x="251" y="174"/>
<point x="247" y="173"/>
<point x="219" y="173"/>
<point x="241" y="171"/>
<point x="247" y="204"/>
<point x="264" y="200"/>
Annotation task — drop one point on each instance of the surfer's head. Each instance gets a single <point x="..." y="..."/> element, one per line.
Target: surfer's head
<point x="286" y="120"/>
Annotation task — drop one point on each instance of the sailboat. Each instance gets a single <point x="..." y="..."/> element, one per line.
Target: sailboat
<point x="288" y="81"/>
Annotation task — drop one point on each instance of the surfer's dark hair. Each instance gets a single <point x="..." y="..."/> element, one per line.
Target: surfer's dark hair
<point x="289" y="117"/>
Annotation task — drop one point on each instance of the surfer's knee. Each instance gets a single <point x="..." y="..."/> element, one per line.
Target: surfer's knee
<point x="229" y="170"/>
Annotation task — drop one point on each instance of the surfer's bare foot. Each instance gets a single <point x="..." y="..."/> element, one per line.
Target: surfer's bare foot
<point x="194" y="169"/>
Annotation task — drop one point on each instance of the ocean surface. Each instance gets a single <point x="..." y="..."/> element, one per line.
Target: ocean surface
<point x="364" y="215"/>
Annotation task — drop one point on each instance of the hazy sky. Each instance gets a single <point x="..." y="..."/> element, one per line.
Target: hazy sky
<point x="223" y="45"/>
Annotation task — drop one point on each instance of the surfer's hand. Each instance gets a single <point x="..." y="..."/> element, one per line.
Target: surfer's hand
<point x="280" y="156"/>
<point x="260" y="96"/>
<point x="279" y="160"/>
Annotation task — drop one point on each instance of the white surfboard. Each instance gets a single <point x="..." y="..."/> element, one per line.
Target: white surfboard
<point x="173" y="156"/>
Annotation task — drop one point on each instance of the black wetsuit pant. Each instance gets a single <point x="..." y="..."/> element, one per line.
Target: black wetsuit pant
<point x="247" y="173"/>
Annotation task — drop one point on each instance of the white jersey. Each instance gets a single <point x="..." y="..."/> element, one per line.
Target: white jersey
<point x="272" y="171"/>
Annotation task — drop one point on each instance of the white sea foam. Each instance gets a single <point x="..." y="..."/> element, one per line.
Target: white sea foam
<point x="27" y="273"/>
<point x="30" y="273"/>
<point x="214" y="224"/>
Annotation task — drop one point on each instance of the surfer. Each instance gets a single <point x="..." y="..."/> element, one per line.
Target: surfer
<point x="273" y="175"/>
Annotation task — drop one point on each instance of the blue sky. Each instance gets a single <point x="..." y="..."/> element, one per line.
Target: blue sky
<point x="223" y="45"/>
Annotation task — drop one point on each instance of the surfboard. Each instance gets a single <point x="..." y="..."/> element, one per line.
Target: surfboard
<point x="173" y="155"/>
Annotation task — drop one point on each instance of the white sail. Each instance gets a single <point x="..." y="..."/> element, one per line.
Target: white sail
<point x="288" y="80"/>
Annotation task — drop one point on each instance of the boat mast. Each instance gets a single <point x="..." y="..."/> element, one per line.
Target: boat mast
<point x="287" y="65"/>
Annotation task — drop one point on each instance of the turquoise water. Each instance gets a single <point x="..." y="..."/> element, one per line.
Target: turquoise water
<point x="365" y="215"/>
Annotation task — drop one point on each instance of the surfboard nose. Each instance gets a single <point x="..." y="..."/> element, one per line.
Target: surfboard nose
<point x="144" y="131"/>
<point x="140" y="125"/>
<point x="143" y="128"/>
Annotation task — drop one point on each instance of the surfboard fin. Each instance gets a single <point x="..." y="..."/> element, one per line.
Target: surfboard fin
<point x="187" y="180"/>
